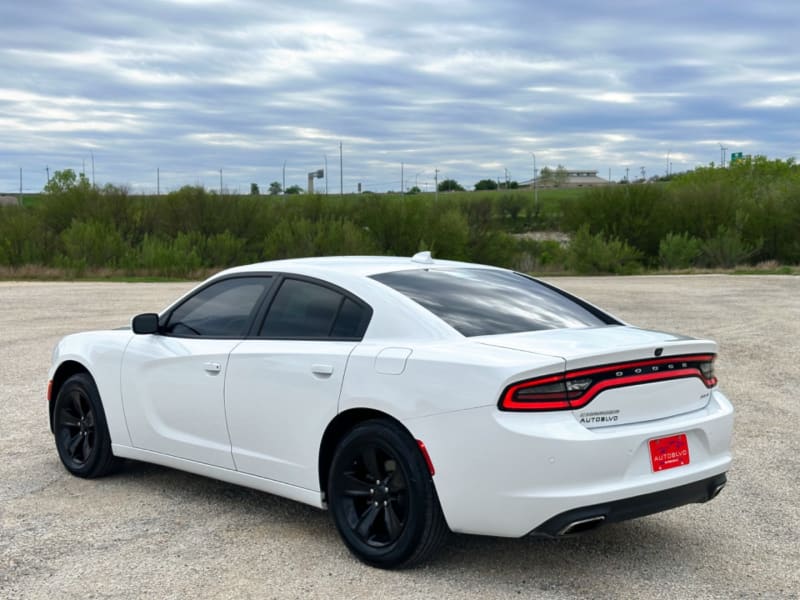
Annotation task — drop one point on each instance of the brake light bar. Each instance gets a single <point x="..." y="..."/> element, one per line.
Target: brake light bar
<point x="575" y="389"/>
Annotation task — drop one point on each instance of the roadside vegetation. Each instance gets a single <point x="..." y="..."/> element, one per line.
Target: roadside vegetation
<point x="741" y="217"/>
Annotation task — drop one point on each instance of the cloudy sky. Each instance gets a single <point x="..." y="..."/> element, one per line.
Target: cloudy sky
<point x="470" y="88"/>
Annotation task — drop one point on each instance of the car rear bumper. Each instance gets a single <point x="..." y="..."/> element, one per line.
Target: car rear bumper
<point x="586" y="518"/>
<point x="510" y="474"/>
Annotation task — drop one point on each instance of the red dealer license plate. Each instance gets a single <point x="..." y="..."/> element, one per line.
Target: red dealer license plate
<point x="669" y="452"/>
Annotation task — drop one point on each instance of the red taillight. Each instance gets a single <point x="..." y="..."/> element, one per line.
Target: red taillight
<point x="575" y="389"/>
<point x="50" y="390"/>
<point x="542" y="393"/>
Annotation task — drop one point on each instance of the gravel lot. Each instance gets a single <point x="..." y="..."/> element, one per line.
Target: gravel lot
<point x="151" y="531"/>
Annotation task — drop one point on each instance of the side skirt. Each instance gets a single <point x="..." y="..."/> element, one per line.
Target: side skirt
<point x="312" y="497"/>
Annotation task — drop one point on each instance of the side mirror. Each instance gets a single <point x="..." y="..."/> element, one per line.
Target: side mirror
<point x="145" y="323"/>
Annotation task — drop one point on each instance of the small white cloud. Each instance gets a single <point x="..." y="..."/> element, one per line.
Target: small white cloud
<point x="613" y="97"/>
<point x="774" y="102"/>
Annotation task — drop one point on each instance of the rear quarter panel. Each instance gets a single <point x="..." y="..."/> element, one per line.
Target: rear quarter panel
<point x="436" y="378"/>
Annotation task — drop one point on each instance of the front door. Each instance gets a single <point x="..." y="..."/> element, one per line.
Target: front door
<point x="173" y="397"/>
<point x="174" y="380"/>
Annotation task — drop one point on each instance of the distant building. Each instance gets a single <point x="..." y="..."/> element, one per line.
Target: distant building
<point x="9" y="201"/>
<point x="574" y="179"/>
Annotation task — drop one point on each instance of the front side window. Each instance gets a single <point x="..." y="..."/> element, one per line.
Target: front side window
<point x="223" y="309"/>
<point x="488" y="302"/>
<point x="302" y="309"/>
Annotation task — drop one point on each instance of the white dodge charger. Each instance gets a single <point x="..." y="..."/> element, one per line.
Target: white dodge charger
<point x="408" y="396"/>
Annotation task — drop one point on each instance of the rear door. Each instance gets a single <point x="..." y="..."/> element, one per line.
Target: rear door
<point x="283" y="385"/>
<point x="173" y="381"/>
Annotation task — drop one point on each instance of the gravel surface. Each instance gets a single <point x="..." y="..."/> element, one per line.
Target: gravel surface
<point x="153" y="532"/>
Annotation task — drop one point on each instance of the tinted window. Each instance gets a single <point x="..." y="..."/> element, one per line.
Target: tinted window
<point x="348" y="323"/>
<point x="486" y="302"/>
<point x="223" y="309"/>
<point x="302" y="309"/>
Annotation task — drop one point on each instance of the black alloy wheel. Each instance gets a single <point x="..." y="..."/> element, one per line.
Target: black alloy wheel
<point x="80" y="430"/>
<point x="382" y="496"/>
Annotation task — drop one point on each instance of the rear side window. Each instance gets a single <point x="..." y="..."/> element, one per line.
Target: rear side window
<point x="305" y="310"/>
<point x="223" y="309"/>
<point x="488" y="302"/>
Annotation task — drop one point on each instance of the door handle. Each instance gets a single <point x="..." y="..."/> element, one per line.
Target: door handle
<point x="212" y="367"/>
<point x="322" y="370"/>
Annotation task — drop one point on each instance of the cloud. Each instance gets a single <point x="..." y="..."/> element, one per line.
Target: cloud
<point x="468" y="87"/>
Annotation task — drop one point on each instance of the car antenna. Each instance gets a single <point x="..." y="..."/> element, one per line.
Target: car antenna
<point x="423" y="257"/>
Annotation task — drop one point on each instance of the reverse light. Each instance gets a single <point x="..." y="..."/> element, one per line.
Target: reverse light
<point x="575" y="389"/>
<point x="707" y="369"/>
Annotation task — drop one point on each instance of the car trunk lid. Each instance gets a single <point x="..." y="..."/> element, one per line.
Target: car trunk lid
<point x="630" y="375"/>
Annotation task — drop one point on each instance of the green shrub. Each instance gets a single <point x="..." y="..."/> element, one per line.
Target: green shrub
<point x="726" y="249"/>
<point x="223" y="250"/>
<point x="636" y="214"/>
<point x="538" y="256"/>
<point x="449" y="235"/>
<point x="93" y="244"/>
<point x="22" y="238"/>
<point x="678" y="251"/>
<point x="588" y="254"/>
<point x="343" y="237"/>
<point x="168" y="258"/>
<point x="290" y="239"/>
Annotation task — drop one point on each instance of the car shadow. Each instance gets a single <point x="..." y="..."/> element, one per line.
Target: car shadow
<point x="650" y="545"/>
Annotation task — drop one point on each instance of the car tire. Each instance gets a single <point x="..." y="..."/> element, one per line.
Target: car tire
<point x="382" y="497"/>
<point x="80" y="429"/>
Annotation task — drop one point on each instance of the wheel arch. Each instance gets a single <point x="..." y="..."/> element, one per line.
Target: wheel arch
<point x="64" y="371"/>
<point x="337" y="429"/>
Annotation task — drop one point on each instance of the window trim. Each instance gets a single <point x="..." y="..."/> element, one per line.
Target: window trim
<point x="263" y="304"/>
<point x="261" y="316"/>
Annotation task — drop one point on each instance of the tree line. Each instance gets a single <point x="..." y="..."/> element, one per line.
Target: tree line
<point x="711" y="218"/>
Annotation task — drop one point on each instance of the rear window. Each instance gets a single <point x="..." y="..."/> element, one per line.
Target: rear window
<point x="488" y="302"/>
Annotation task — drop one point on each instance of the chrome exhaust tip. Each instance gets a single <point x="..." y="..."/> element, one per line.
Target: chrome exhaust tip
<point x="582" y="525"/>
<point x="715" y="492"/>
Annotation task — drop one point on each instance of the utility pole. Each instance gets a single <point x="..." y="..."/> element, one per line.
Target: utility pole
<point x="402" y="181"/>
<point x="506" y="170"/>
<point x="436" y="183"/>
<point x="283" y="188"/>
<point x="341" y="172"/>
<point x="627" y="169"/>
<point x="47" y="169"/>
<point x="158" y="181"/>
<point x="722" y="150"/>
<point x="609" y="174"/>
<point x="644" y="173"/>
<point x="220" y="182"/>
